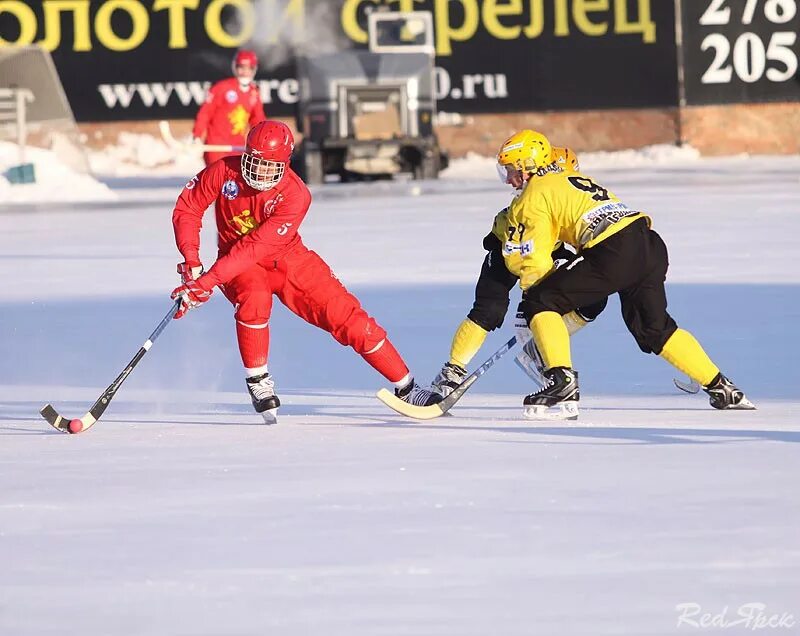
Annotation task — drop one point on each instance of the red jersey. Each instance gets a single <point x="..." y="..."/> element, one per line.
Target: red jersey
<point x="252" y="226"/>
<point x="228" y="113"/>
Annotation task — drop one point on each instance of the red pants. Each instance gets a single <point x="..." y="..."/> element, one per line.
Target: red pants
<point x="307" y="286"/>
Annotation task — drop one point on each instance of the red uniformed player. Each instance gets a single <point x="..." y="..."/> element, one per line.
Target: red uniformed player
<point x="232" y="107"/>
<point x="260" y="204"/>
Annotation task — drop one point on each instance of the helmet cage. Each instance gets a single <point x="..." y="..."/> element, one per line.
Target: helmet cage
<point x="261" y="174"/>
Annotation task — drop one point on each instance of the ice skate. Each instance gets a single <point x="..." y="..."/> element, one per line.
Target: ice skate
<point x="558" y="400"/>
<point x="262" y="392"/>
<point x="724" y="395"/>
<point x="448" y="379"/>
<point x="413" y="393"/>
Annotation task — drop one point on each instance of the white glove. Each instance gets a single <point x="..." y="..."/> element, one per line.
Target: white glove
<point x="190" y="271"/>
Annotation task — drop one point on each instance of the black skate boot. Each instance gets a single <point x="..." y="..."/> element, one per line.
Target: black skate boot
<point x="448" y="379"/>
<point x="414" y="394"/>
<point x="560" y="393"/>
<point x="262" y="392"/>
<point x="723" y="395"/>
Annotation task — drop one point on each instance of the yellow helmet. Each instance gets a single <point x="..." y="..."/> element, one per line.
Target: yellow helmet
<point x="566" y="159"/>
<point x="526" y="151"/>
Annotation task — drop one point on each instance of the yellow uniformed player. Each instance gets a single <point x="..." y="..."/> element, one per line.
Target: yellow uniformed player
<point x="618" y="252"/>
<point x="492" y="299"/>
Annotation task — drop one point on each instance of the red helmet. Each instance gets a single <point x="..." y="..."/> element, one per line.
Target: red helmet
<point x="245" y="57"/>
<point x="268" y="150"/>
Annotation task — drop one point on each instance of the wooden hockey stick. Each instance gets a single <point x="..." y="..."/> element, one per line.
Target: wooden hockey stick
<point x="169" y="139"/>
<point x="64" y="425"/>
<point x="436" y="410"/>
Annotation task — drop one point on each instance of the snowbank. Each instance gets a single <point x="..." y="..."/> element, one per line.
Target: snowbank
<point x="475" y="166"/>
<point x="143" y="155"/>
<point x="55" y="181"/>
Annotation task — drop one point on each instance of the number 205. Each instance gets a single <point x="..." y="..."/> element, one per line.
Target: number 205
<point x="750" y="57"/>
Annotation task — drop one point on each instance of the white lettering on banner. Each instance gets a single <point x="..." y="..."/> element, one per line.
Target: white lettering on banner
<point x="750" y="58"/>
<point x="286" y="91"/>
<point x="747" y="57"/>
<point x="473" y="86"/>
<point x="159" y="94"/>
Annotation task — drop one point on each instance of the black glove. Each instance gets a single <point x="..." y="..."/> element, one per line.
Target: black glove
<point x="491" y="242"/>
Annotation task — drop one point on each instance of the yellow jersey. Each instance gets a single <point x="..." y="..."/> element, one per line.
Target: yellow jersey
<point x="559" y="206"/>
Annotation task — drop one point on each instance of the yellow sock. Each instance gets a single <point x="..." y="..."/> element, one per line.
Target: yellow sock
<point x="683" y="352"/>
<point x="552" y="339"/>
<point x="467" y="340"/>
<point x="574" y="322"/>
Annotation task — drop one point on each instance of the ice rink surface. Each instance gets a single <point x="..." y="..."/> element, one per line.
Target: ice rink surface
<point x="180" y="514"/>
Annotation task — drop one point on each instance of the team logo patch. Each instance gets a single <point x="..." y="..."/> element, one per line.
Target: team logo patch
<point x="230" y="190"/>
<point x="269" y="206"/>
<point x="231" y="97"/>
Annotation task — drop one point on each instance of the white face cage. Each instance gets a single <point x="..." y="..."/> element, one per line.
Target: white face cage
<point x="261" y="174"/>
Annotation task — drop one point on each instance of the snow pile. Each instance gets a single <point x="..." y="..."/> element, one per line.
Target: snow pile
<point x="55" y="181"/>
<point x="657" y="155"/>
<point x="137" y="154"/>
<point x="475" y="166"/>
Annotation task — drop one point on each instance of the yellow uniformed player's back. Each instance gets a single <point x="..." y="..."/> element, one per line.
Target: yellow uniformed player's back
<point x="618" y="253"/>
<point x="559" y="206"/>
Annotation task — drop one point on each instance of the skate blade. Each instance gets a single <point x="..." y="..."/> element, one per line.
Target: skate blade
<point x="561" y="411"/>
<point x="525" y="364"/>
<point x="744" y="405"/>
<point x="687" y="386"/>
<point x="270" y="416"/>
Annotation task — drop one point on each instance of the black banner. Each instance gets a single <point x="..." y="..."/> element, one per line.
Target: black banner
<point x="741" y="50"/>
<point x="152" y="59"/>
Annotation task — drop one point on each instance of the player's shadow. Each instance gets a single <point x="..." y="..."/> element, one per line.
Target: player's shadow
<point x="87" y="342"/>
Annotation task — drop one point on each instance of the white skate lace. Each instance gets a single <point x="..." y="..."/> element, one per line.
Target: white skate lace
<point x="548" y="383"/>
<point x="263" y="389"/>
<point x="419" y="396"/>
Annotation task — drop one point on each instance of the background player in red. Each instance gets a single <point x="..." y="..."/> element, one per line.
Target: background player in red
<point x="232" y="107"/>
<point x="260" y="204"/>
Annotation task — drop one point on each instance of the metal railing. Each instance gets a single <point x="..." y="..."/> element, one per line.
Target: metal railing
<point x="13" y="103"/>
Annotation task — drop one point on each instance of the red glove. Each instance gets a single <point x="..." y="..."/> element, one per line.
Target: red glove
<point x="190" y="271"/>
<point x="192" y="295"/>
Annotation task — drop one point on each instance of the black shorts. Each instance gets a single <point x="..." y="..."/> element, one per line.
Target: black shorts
<point x="495" y="282"/>
<point x="633" y="262"/>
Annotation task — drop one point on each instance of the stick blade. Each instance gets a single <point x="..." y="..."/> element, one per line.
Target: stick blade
<point x="54" y="419"/>
<point x="409" y="410"/>
<point x="61" y="423"/>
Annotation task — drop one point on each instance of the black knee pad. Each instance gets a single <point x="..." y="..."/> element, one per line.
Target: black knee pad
<point x="590" y="312"/>
<point x="488" y="315"/>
